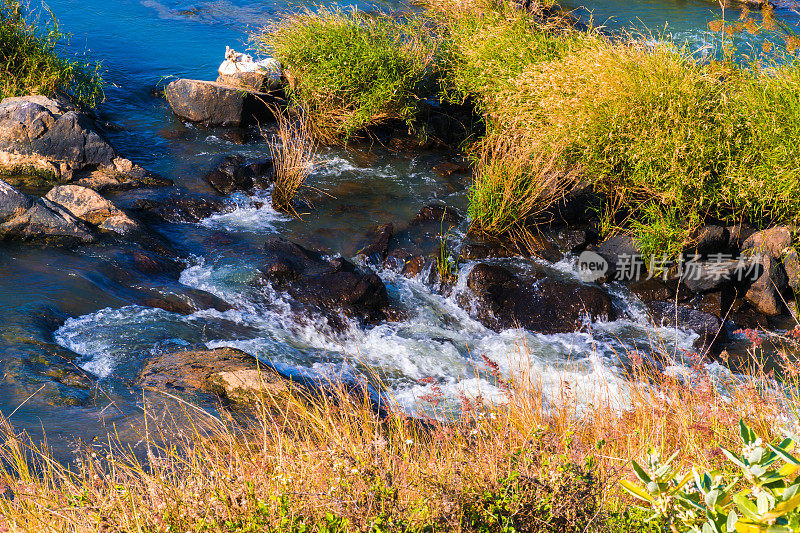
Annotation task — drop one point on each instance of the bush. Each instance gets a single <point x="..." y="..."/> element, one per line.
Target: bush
<point x="29" y="63"/>
<point x="350" y="70"/>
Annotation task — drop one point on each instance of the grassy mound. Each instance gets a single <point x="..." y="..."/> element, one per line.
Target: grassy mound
<point x="352" y="70"/>
<point x="667" y="141"/>
<point x="30" y="64"/>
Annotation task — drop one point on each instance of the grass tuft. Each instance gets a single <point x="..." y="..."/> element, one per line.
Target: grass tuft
<point x="292" y="157"/>
<point x="30" y="64"/>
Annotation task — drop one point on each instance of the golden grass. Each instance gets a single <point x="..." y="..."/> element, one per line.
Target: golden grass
<point x="292" y="158"/>
<point x="547" y="459"/>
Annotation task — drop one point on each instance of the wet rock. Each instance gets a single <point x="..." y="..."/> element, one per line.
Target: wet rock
<point x="618" y="251"/>
<point x="437" y="213"/>
<point x="576" y="207"/>
<point x="572" y="240"/>
<point x="186" y="302"/>
<point x="224" y="372"/>
<point x="791" y="264"/>
<point x="717" y="303"/>
<point x="447" y="167"/>
<point x="181" y="209"/>
<point x="43" y="137"/>
<point x="709" y="327"/>
<point x="87" y="205"/>
<point x="543" y="247"/>
<point x="215" y="104"/>
<point x="326" y="285"/>
<point x="473" y="251"/>
<point x="537" y="303"/>
<point x="235" y="174"/>
<point x="651" y="290"/>
<point x="377" y="251"/>
<point x="27" y="218"/>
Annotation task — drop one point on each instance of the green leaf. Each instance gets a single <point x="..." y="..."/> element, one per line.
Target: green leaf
<point x="747" y="434"/>
<point x="747" y="507"/>
<point x="636" y="491"/>
<point x="783" y="507"/>
<point x="640" y="473"/>
<point x="730" y="524"/>
<point x="783" y="454"/>
<point x="734" y="458"/>
<point x="763" y="503"/>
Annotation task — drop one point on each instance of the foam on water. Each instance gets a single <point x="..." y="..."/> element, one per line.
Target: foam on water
<point x="247" y="213"/>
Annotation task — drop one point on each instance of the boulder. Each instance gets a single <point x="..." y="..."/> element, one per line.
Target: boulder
<point x="225" y="372"/>
<point x="618" y="251"/>
<point x="250" y="81"/>
<point x="235" y="174"/>
<point x="765" y="293"/>
<point x="89" y="206"/>
<point x="215" y="104"/>
<point x="377" y="250"/>
<point x="437" y="213"/>
<point x="707" y="325"/>
<point x="41" y="136"/>
<point x="536" y="303"/>
<point x="772" y="242"/>
<point x="27" y="218"/>
<point x="711" y="239"/>
<point x="704" y="276"/>
<point x="327" y="285"/>
<point x="181" y="209"/>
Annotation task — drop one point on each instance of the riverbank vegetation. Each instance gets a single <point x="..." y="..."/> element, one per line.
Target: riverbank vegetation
<point x="547" y="457"/>
<point x="31" y="64"/>
<point x="668" y="141"/>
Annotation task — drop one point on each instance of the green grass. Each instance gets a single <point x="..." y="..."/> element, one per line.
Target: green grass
<point x="351" y="70"/>
<point x="30" y="63"/>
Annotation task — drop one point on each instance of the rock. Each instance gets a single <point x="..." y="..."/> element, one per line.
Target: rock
<point x="378" y="249"/>
<point x="765" y="293"/>
<point x="38" y="219"/>
<point x="791" y="264"/>
<point x="476" y="250"/>
<point x="537" y="303"/>
<point x="773" y="242"/>
<point x="619" y="251"/>
<point x="250" y="81"/>
<point x="543" y="247"/>
<point x="446" y="168"/>
<point x="708" y="326"/>
<point x="43" y="137"/>
<point x="234" y="174"/>
<point x="222" y="372"/>
<point x="572" y="240"/>
<point x="334" y="285"/>
<point x="575" y="207"/>
<point x="437" y="213"/>
<point x="215" y="104"/>
<point x="717" y="303"/>
<point x="711" y="239"/>
<point x="181" y="209"/>
<point x="651" y="290"/>
<point x="42" y="127"/>
<point x="87" y="205"/>
<point x="738" y="233"/>
<point x="703" y="276"/>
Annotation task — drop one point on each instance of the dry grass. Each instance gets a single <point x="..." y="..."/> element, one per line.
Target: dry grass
<point x="292" y="158"/>
<point x="546" y="459"/>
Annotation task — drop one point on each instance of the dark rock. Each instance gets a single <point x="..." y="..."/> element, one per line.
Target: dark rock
<point x="378" y="249"/>
<point x="619" y="251"/>
<point x="575" y="207"/>
<point x="472" y="251"/>
<point x="181" y="209"/>
<point x="791" y="264"/>
<point x="717" y="303"/>
<point x="708" y="326"/>
<point x="37" y="219"/>
<point x="572" y="240"/>
<point x="765" y="293"/>
<point x="703" y="276"/>
<point x="447" y="167"/>
<point x="543" y="247"/>
<point x="651" y="290"/>
<point x="738" y="233"/>
<point x="711" y="239"/>
<point x="235" y="174"/>
<point x="437" y="213"/>
<point x="538" y="303"/>
<point x="326" y="285"/>
<point x="215" y="104"/>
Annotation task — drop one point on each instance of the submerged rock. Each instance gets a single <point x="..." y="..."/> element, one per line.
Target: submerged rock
<point x="328" y="285"/>
<point x="234" y="174"/>
<point x="536" y="303"/>
<point x="708" y="326"/>
<point x="181" y="209"/>
<point x="28" y="218"/>
<point x="377" y="250"/>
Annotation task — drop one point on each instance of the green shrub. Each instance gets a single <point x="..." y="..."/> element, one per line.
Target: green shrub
<point x="29" y="63"/>
<point x="350" y="70"/>
<point x="759" y="494"/>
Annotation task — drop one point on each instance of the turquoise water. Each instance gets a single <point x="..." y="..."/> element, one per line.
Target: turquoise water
<point x="89" y="310"/>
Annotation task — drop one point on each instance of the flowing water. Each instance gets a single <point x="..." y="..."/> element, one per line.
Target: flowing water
<point x="91" y="308"/>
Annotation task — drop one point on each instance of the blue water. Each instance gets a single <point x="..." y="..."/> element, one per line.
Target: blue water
<point x="88" y="309"/>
